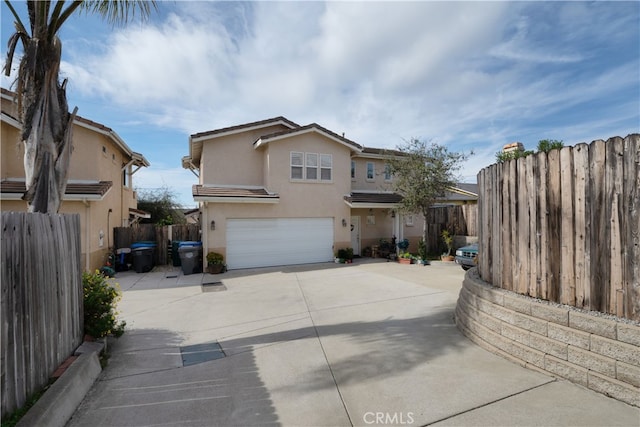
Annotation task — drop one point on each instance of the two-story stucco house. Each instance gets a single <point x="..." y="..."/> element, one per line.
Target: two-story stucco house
<point x="276" y="193"/>
<point x="100" y="186"/>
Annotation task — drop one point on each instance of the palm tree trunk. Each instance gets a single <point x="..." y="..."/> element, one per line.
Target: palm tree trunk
<point x="47" y="128"/>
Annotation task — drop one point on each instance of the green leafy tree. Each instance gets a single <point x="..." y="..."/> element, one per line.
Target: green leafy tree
<point x="422" y="174"/>
<point x="161" y="204"/>
<point x="43" y="111"/>
<point x="545" y="145"/>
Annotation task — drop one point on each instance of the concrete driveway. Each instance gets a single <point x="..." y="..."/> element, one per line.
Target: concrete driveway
<point x="372" y="343"/>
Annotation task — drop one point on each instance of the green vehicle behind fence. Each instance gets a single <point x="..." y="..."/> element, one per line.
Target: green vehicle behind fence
<point x="466" y="256"/>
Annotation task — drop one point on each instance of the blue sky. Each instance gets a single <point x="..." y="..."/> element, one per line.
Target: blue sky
<point x="469" y="75"/>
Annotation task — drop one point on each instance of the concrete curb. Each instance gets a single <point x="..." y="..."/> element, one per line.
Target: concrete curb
<point x="59" y="402"/>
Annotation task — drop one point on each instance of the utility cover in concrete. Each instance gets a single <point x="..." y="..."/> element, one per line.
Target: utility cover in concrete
<point x="213" y="287"/>
<point x="200" y="353"/>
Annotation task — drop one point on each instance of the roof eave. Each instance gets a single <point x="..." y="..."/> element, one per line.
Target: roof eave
<point x="217" y="199"/>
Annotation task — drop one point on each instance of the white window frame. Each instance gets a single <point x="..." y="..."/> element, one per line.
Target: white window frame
<point x="300" y="166"/>
<point x="353" y="170"/>
<point x="308" y="165"/>
<point x="409" y="220"/>
<point x="387" y="173"/>
<point x="373" y="171"/>
<point x="325" y="168"/>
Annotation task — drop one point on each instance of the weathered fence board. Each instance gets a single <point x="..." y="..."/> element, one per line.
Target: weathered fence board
<point x="160" y="234"/>
<point x="565" y="225"/>
<point x="41" y="306"/>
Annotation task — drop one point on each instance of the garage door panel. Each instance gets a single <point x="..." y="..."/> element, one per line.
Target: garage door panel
<point x="278" y="241"/>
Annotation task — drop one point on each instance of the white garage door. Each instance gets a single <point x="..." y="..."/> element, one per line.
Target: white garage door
<point x="278" y="241"/>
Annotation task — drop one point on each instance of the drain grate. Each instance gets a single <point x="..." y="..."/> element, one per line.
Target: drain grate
<point x="213" y="287"/>
<point x="200" y="353"/>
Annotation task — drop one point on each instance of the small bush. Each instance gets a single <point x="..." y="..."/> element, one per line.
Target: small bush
<point x="214" y="258"/>
<point x="100" y="300"/>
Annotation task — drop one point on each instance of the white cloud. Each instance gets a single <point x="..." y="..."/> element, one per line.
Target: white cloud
<point x="466" y="74"/>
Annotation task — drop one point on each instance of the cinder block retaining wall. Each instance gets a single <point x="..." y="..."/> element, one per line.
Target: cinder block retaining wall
<point x="601" y="353"/>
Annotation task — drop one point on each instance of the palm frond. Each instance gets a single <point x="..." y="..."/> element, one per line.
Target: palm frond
<point x="18" y="22"/>
<point x="118" y="12"/>
<point x="11" y="49"/>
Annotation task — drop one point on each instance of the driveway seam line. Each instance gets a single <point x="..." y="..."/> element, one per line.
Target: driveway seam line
<point x="324" y="353"/>
<point x="490" y="403"/>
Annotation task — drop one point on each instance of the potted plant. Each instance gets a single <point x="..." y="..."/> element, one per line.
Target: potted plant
<point x="405" y="258"/>
<point x="447" y="238"/>
<point x="215" y="263"/>
<point x="422" y="253"/>
<point x="345" y="255"/>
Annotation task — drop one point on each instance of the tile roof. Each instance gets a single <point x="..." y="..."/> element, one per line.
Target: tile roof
<point x="73" y="188"/>
<point x="266" y="138"/>
<point x="206" y="191"/>
<point x="382" y="151"/>
<point x="260" y="123"/>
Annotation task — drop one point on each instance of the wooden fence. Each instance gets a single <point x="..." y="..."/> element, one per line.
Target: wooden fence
<point x="565" y="226"/>
<point x="461" y="220"/>
<point x="123" y="237"/>
<point x="41" y="304"/>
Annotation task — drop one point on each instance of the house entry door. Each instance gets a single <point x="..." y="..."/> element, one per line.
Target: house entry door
<point x="355" y="234"/>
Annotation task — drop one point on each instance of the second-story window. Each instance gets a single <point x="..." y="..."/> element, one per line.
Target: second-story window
<point x="371" y="171"/>
<point x="387" y="173"/>
<point x="353" y="169"/>
<point x="311" y="166"/>
<point x="297" y="165"/>
<point x="326" y="165"/>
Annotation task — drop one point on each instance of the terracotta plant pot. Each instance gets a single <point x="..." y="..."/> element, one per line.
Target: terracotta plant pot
<point x="404" y="260"/>
<point x="448" y="258"/>
<point x="215" y="268"/>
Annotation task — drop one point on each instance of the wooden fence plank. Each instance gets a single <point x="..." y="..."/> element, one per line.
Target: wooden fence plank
<point x="631" y="183"/>
<point x="542" y="222"/>
<point x="613" y="183"/>
<point x="554" y="207"/>
<point x="567" y="261"/>
<point x="581" y="236"/>
<point x="598" y="224"/>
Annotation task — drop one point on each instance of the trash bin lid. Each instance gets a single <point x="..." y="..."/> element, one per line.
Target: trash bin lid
<point x="188" y="243"/>
<point x="143" y="245"/>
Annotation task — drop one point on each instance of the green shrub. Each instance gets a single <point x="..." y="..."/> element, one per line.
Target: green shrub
<point x="100" y="300"/>
<point x="214" y="258"/>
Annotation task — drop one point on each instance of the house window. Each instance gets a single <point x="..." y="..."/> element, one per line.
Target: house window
<point x="312" y="166"/>
<point x="387" y="173"/>
<point x="126" y="178"/>
<point x="326" y="164"/>
<point x="370" y="171"/>
<point x="353" y="169"/>
<point x="409" y="220"/>
<point x="296" y="165"/>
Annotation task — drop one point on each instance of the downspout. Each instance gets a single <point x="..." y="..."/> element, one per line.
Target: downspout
<point x="87" y="237"/>
<point x="204" y="228"/>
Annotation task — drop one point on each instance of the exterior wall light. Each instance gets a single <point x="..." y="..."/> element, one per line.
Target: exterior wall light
<point x="213" y="225"/>
<point x="344" y="222"/>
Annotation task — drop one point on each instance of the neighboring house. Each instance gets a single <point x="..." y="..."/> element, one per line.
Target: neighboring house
<point x="100" y="186"/>
<point x="276" y="193"/>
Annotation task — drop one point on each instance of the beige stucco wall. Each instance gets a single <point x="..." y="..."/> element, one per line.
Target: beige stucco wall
<point x="361" y="183"/>
<point x="232" y="160"/>
<point x="88" y="162"/>
<point x="298" y="199"/>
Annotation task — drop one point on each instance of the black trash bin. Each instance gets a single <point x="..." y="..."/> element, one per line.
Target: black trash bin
<point x="175" y="256"/>
<point x="142" y="253"/>
<point x="190" y="257"/>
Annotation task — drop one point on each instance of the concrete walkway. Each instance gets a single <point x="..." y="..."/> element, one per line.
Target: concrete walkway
<point x="372" y="343"/>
